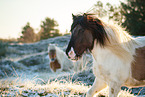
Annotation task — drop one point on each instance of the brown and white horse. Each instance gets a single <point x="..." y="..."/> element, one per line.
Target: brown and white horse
<point x="58" y="59"/>
<point x="60" y="62"/>
<point x="118" y="58"/>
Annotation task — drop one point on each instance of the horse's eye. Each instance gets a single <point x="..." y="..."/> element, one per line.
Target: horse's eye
<point x="81" y="31"/>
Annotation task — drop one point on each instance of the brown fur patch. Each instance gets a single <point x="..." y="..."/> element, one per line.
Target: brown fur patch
<point x="138" y="66"/>
<point x="55" y="65"/>
<point x="52" y="54"/>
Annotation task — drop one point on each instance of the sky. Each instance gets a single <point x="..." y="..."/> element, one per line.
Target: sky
<point x="14" y="14"/>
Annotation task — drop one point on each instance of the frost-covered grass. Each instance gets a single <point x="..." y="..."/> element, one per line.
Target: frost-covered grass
<point x="29" y="87"/>
<point x="18" y="86"/>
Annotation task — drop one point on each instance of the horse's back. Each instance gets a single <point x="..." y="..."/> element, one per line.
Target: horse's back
<point x="138" y="66"/>
<point x="141" y="40"/>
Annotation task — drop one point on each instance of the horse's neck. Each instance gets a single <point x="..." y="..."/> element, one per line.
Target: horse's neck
<point x="105" y="53"/>
<point x="98" y="52"/>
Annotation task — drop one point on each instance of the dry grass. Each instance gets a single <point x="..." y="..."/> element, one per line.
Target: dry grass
<point x="122" y="93"/>
<point x="55" y="87"/>
<point x="19" y="87"/>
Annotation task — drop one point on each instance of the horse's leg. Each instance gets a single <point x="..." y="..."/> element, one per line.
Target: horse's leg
<point x="97" y="86"/>
<point x="114" y="89"/>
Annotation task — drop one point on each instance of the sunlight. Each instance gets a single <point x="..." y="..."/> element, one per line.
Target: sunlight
<point x="15" y="14"/>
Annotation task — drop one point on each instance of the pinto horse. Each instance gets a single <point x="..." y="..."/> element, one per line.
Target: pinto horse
<point x="54" y="64"/>
<point x="118" y="58"/>
<point x="58" y="59"/>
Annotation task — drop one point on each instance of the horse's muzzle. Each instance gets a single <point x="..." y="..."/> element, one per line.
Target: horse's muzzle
<point x="52" y="59"/>
<point x="71" y="53"/>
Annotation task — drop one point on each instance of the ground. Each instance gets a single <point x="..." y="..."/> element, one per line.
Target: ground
<point x="25" y="72"/>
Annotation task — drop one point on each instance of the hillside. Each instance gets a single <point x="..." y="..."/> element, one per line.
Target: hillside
<point x="25" y="72"/>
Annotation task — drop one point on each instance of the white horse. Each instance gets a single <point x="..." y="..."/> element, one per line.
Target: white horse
<point x="118" y="58"/>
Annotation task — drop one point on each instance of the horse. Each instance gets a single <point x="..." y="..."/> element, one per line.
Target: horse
<point x="58" y="60"/>
<point x="118" y="58"/>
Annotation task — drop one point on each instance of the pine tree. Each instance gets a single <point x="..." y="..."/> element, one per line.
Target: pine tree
<point x="28" y="34"/>
<point x="48" y="29"/>
<point x="108" y="11"/>
<point x="99" y="9"/>
<point x="134" y="12"/>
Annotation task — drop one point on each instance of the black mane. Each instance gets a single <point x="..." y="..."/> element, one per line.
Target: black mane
<point x="87" y="21"/>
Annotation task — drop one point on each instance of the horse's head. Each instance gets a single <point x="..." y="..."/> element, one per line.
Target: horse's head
<point x="84" y="30"/>
<point x="52" y="52"/>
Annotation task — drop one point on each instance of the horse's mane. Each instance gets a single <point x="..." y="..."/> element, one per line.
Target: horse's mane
<point x="87" y="21"/>
<point x="109" y="36"/>
<point x="120" y="42"/>
<point x="54" y="47"/>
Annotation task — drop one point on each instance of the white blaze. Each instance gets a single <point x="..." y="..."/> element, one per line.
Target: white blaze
<point x="71" y="53"/>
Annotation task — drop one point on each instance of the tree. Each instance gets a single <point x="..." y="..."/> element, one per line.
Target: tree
<point x="48" y="29"/>
<point x="108" y="11"/>
<point x="134" y="12"/>
<point x="99" y="10"/>
<point x="28" y="34"/>
<point x="114" y="13"/>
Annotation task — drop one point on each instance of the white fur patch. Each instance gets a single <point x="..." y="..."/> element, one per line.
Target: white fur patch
<point x="71" y="53"/>
<point x="47" y="57"/>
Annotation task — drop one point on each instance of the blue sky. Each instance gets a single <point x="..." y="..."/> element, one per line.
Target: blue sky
<point x="14" y="14"/>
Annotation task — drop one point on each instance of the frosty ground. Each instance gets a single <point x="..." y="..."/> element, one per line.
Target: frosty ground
<point x="25" y="72"/>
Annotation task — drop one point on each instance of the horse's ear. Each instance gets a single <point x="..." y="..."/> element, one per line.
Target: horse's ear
<point x="73" y="16"/>
<point x="84" y="14"/>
